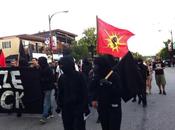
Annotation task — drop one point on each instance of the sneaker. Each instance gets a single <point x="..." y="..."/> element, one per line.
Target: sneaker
<point x="50" y="116"/>
<point x="43" y="120"/>
<point x="134" y="100"/>
<point x="59" y="115"/>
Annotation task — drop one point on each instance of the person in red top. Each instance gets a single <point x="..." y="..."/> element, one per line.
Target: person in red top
<point x="2" y="59"/>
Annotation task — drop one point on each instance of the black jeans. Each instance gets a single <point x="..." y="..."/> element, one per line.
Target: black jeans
<point x="73" y="119"/>
<point x="110" y="117"/>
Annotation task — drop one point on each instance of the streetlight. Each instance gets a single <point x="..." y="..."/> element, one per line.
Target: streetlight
<point x="50" y="18"/>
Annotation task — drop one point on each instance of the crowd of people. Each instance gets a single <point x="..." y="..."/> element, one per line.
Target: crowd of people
<point x="80" y="86"/>
<point x="146" y="70"/>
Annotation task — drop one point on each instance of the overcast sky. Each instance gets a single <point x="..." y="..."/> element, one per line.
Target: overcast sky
<point x="150" y="20"/>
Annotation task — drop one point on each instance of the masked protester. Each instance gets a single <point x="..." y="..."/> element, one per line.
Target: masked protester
<point x="72" y="95"/>
<point x="144" y="73"/>
<point x="106" y="94"/>
<point x="47" y="84"/>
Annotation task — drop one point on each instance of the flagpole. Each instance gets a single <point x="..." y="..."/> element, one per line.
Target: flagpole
<point x="97" y="23"/>
<point x="109" y="74"/>
<point x="19" y="53"/>
<point x="97" y="32"/>
<point x="112" y="71"/>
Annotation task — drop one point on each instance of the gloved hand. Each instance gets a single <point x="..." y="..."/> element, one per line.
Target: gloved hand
<point x="105" y="82"/>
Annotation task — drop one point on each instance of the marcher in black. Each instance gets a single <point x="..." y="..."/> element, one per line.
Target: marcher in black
<point x="72" y="95"/>
<point x="106" y="94"/>
<point x="144" y="73"/>
<point x="47" y="84"/>
<point x="22" y="64"/>
<point x="86" y="68"/>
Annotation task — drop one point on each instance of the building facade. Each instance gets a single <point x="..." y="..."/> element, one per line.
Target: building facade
<point x="35" y="43"/>
<point x="61" y="39"/>
<point x="11" y="45"/>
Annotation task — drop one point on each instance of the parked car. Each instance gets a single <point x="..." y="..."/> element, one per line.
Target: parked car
<point x="167" y="62"/>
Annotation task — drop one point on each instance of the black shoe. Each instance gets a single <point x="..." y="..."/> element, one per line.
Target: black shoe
<point x="164" y="93"/>
<point x="58" y="110"/>
<point x="139" y="102"/>
<point x="144" y="105"/>
<point x="160" y="92"/>
<point x="19" y="115"/>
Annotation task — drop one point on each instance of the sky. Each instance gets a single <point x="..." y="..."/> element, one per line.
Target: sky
<point x="150" y="20"/>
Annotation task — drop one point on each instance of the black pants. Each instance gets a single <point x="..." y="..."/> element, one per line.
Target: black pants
<point x="143" y="94"/>
<point x="73" y="119"/>
<point x="110" y="117"/>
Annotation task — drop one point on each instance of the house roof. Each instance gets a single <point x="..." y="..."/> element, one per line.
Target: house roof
<point x="57" y="30"/>
<point x="26" y="37"/>
<point x="39" y="36"/>
<point x="31" y="37"/>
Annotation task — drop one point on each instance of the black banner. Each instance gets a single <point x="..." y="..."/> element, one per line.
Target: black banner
<point x="20" y="90"/>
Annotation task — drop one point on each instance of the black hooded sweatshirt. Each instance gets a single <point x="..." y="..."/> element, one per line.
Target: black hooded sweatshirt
<point x="72" y="89"/>
<point x="46" y="74"/>
<point x="103" y="93"/>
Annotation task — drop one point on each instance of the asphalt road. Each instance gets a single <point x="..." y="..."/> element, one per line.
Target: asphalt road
<point x="158" y="115"/>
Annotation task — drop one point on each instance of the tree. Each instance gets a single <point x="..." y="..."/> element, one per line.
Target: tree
<point x="79" y="52"/>
<point x="163" y="53"/>
<point x="90" y="36"/>
<point x="89" y="39"/>
<point x="86" y="44"/>
<point x="136" y="55"/>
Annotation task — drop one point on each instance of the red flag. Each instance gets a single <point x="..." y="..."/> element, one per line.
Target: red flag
<point x="112" y="40"/>
<point x="2" y="59"/>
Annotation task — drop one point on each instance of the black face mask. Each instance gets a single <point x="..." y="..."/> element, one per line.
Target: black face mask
<point x="66" y="69"/>
<point x="101" y="66"/>
<point x="67" y="65"/>
<point x="100" y="71"/>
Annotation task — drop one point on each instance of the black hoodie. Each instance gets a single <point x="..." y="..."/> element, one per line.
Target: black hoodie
<point x="72" y="86"/>
<point x="105" y="95"/>
<point x="46" y="74"/>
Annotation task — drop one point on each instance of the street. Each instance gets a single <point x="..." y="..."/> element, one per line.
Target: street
<point x="158" y="115"/>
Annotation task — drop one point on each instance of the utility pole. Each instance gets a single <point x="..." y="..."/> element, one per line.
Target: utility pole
<point x="50" y="30"/>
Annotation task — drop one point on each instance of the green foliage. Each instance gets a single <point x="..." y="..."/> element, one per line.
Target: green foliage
<point x="163" y="53"/>
<point x="136" y="55"/>
<point x="89" y="36"/>
<point x="79" y="51"/>
<point x="166" y="44"/>
<point x="86" y="44"/>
